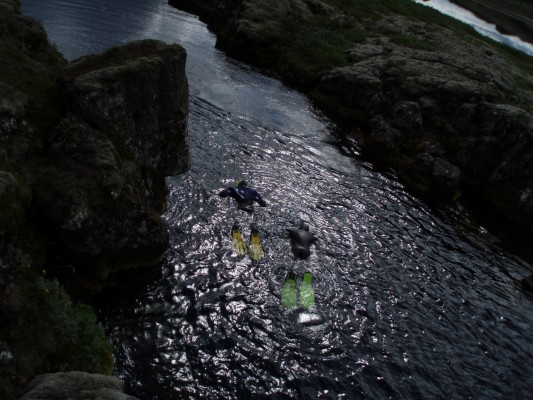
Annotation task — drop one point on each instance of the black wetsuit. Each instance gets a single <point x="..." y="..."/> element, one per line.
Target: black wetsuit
<point x="300" y="241"/>
<point x="245" y="197"/>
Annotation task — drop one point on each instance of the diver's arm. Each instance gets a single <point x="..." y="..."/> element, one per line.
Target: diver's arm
<point x="259" y="200"/>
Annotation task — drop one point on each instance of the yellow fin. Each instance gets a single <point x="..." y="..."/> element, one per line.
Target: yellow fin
<point x="238" y="242"/>
<point x="256" y="248"/>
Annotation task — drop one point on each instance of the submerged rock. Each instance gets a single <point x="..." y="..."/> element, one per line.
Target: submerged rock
<point x="527" y="282"/>
<point x="432" y="177"/>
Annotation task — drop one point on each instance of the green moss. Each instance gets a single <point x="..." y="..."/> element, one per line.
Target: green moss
<point x="321" y="42"/>
<point x="308" y="46"/>
<point x="79" y="340"/>
<point x="316" y="49"/>
<point x="411" y="41"/>
<point x="45" y="331"/>
<point x="62" y="335"/>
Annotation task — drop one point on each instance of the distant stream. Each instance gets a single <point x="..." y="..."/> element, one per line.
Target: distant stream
<point x="411" y="302"/>
<point x="484" y="28"/>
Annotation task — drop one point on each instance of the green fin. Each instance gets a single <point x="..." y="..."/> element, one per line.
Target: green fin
<point x="307" y="293"/>
<point x="256" y="247"/>
<point x="238" y="242"/>
<point x="288" y="291"/>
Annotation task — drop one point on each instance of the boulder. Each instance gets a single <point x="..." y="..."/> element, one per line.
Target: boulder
<point x="76" y="385"/>
<point x="497" y="158"/>
<point x="137" y="94"/>
<point x="407" y="115"/>
<point x="381" y="142"/>
<point x="431" y="177"/>
<point x="97" y="205"/>
<point x="101" y="191"/>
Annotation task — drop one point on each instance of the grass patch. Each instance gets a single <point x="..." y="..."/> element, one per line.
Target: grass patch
<point x="522" y="60"/>
<point x="47" y="332"/>
<point x="78" y="342"/>
<point x="412" y="42"/>
<point x="315" y="46"/>
<point x="324" y="43"/>
<point x="309" y="46"/>
<point x="317" y="49"/>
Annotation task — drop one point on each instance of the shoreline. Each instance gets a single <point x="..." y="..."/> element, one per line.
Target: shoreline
<point x="426" y="95"/>
<point x="509" y="20"/>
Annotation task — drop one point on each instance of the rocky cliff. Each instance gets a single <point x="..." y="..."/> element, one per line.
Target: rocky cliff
<point x="84" y="151"/>
<point x="124" y="131"/>
<point x="449" y="110"/>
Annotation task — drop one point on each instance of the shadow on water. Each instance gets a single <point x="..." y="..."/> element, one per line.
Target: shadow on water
<point x="407" y="305"/>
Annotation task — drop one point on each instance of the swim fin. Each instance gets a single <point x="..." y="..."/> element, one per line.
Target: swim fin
<point x="256" y="247"/>
<point x="307" y="293"/>
<point x="238" y="242"/>
<point x="288" y="291"/>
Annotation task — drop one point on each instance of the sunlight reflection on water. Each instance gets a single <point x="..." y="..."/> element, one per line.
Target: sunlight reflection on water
<point x="393" y="279"/>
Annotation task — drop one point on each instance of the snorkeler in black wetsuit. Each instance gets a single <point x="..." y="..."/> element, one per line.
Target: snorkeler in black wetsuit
<point x="244" y="196"/>
<point x="301" y="239"/>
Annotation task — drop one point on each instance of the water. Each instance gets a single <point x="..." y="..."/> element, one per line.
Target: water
<point x="410" y="302"/>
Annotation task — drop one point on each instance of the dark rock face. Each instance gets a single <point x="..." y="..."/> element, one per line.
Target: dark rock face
<point x="89" y="177"/>
<point x="500" y="159"/>
<point x="126" y="131"/>
<point x="97" y="207"/>
<point x="76" y="385"/>
<point x="431" y="176"/>
<point x="449" y="106"/>
<point x="136" y="94"/>
<point x="82" y="190"/>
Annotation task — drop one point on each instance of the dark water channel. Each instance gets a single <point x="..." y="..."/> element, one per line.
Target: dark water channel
<point x="411" y="303"/>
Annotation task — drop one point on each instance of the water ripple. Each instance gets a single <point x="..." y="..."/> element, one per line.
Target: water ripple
<point x="411" y="302"/>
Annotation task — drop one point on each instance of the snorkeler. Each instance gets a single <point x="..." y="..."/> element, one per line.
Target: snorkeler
<point x="301" y="239"/>
<point x="245" y="197"/>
